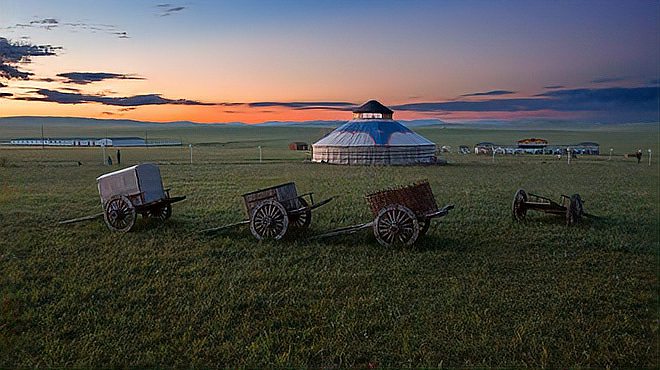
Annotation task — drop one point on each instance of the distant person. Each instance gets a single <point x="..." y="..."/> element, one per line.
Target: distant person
<point x="118" y="157"/>
<point x="79" y="163"/>
<point x="638" y="155"/>
<point x="109" y="161"/>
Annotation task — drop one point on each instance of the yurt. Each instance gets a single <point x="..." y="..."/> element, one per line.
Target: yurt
<point x="372" y="137"/>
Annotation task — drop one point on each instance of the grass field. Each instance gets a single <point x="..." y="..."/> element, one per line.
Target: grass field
<point x="477" y="290"/>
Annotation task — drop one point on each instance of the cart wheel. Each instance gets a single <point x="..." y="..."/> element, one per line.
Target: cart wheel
<point x="161" y="213"/>
<point x="575" y="210"/>
<point x="396" y="225"/>
<point x="119" y="214"/>
<point x="301" y="220"/>
<point x="425" y="224"/>
<point x="269" y="220"/>
<point x="519" y="209"/>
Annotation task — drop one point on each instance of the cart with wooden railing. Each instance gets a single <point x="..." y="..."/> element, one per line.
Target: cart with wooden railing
<point x="272" y="211"/>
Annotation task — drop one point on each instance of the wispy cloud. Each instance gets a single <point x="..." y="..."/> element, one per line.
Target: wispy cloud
<point x="642" y="101"/>
<point x="53" y="23"/>
<point x="654" y="82"/>
<point x="55" y="96"/>
<point x="491" y="93"/>
<point x="603" y="80"/>
<point x="165" y="10"/>
<point x="2" y="85"/>
<point x="302" y="105"/>
<point x="549" y="87"/>
<point x="83" y="78"/>
<point x="12" y="53"/>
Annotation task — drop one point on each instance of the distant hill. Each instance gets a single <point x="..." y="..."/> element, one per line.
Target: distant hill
<point x="36" y="121"/>
<point x="527" y="124"/>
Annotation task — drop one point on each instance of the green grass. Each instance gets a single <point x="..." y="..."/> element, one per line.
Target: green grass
<point x="478" y="290"/>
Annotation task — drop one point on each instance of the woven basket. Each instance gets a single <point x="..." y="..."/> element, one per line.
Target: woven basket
<point x="418" y="197"/>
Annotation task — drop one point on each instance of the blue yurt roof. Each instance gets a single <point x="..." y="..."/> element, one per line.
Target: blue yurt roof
<point x="373" y="132"/>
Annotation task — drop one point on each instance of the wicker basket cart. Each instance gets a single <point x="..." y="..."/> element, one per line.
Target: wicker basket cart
<point x="401" y="214"/>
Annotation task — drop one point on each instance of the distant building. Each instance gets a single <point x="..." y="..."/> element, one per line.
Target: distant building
<point x="588" y="147"/>
<point x="537" y="146"/>
<point x="484" y="147"/>
<point x="532" y="143"/>
<point x="298" y="145"/>
<point x="89" y="142"/>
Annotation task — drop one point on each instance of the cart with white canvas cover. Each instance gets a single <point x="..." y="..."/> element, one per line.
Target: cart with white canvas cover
<point x="132" y="190"/>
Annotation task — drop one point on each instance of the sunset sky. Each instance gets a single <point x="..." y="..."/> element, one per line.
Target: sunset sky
<point x="255" y="61"/>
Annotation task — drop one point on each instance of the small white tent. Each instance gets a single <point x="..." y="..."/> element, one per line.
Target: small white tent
<point x="372" y="137"/>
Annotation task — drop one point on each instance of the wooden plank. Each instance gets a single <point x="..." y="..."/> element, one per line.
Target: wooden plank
<point x="216" y="229"/>
<point x="344" y="230"/>
<point x="81" y="219"/>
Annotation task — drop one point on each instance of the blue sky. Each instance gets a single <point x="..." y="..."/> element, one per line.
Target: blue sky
<point x="417" y="55"/>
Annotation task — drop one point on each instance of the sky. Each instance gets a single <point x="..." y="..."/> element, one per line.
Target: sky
<point x="269" y="60"/>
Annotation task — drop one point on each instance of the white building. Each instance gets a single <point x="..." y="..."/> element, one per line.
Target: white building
<point x="75" y="141"/>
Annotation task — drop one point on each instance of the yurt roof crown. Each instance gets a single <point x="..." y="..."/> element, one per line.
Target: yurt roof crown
<point x="372" y="110"/>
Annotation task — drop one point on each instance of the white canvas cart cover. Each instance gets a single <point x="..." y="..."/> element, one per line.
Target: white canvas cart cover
<point x="142" y="178"/>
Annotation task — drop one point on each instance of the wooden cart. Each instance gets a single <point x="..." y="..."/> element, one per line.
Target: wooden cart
<point x="401" y="214"/>
<point x="570" y="207"/>
<point x="271" y="211"/>
<point x="134" y="190"/>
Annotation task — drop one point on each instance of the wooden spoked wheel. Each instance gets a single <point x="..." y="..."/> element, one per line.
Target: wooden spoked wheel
<point x="396" y="225"/>
<point x="575" y="210"/>
<point x="160" y="213"/>
<point x="301" y="220"/>
<point x="269" y="220"/>
<point x="119" y="214"/>
<point x="518" y="208"/>
<point x="424" y="226"/>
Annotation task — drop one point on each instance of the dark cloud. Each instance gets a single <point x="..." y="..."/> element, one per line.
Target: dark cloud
<point x="554" y="87"/>
<point x="109" y="113"/>
<point x="347" y="108"/>
<point x="642" y="100"/>
<point x="168" y="9"/>
<point x="301" y="105"/>
<point x="46" y="95"/>
<point x="654" y="82"/>
<point x="12" y="53"/>
<point x="2" y="85"/>
<point x="491" y="93"/>
<point x="5" y="94"/>
<point x="603" y="80"/>
<point x="83" y="78"/>
<point x="10" y="72"/>
<point x="47" y="23"/>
